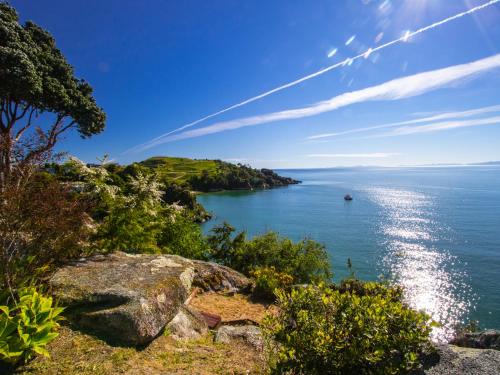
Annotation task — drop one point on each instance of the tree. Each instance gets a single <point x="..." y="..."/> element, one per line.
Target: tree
<point x="40" y="98"/>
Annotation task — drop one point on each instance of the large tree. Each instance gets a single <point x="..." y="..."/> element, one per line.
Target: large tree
<point x="40" y="97"/>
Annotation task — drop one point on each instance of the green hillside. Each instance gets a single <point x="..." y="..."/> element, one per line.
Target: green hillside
<point x="210" y="175"/>
<point x="180" y="170"/>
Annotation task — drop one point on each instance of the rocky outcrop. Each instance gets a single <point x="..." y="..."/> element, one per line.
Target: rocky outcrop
<point x="450" y="359"/>
<point x="248" y="333"/>
<point x="214" y="277"/>
<point x="131" y="298"/>
<point x="489" y="339"/>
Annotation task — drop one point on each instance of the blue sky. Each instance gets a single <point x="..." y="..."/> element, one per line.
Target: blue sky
<point x="158" y="65"/>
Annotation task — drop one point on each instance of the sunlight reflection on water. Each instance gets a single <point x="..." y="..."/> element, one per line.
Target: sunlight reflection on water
<point x="417" y="263"/>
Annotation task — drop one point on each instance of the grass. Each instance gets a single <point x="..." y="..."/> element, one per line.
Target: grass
<point x="179" y="170"/>
<point x="74" y="352"/>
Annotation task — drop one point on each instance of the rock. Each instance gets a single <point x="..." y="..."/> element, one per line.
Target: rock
<point x="187" y="324"/>
<point x="248" y="333"/>
<point x="131" y="298"/>
<point x="212" y="320"/>
<point x="214" y="277"/>
<point x="451" y="360"/>
<point x="489" y="339"/>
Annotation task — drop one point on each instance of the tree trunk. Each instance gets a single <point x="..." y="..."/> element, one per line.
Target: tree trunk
<point x="5" y="159"/>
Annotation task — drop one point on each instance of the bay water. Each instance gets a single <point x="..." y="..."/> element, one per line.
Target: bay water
<point x="433" y="230"/>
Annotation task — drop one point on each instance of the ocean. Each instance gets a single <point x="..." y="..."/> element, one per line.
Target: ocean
<point x="433" y="230"/>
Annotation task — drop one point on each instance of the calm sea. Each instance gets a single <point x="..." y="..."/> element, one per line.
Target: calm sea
<point x="433" y="230"/>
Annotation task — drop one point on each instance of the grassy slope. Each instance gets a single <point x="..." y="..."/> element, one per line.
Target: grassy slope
<point x="74" y="352"/>
<point x="179" y="170"/>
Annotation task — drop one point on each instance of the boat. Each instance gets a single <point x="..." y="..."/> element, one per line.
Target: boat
<point x="348" y="197"/>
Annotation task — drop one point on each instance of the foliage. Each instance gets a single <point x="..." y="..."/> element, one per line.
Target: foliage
<point x="36" y="79"/>
<point x="305" y="261"/>
<point x="322" y="330"/>
<point x="183" y="237"/>
<point x="237" y="176"/>
<point x="134" y="220"/>
<point x="182" y="196"/>
<point x="134" y="216"/>
<point x="42" y="223"/>
<point x="361" y="288"/>
<point x="268" y="280"/>
<point x="27" y="326"/>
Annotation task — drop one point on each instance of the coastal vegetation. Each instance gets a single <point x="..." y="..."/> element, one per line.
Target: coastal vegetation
<point x="52" y="213"/>
<point x="364" y="330"/>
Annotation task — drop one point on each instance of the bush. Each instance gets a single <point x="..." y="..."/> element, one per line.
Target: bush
<point x="27" y="326"/>
<point x="181" y="236"/>
<point x="321" y="330"/>
<point x="133" y="216"/>
<point x="267" y="280"/>
<point x="305" y="261"/>
<point x="129" y="218"/>
<point x="42" y="223"/>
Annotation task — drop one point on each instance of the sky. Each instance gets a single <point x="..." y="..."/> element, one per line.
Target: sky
<point x="285" y="84"/>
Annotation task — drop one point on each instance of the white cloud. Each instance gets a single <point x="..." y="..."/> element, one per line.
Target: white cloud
<point x="440" y="126"/>
<point x="442" y="116"/>
<point x="375" y="155"/>
<point x="397" y="89"/>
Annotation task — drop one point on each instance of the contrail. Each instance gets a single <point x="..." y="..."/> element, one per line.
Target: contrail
<point x="347" y="61"/>
<point x="400" y="88"/>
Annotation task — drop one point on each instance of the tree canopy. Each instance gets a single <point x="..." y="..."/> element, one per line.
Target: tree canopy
<point x="36" y="79"/>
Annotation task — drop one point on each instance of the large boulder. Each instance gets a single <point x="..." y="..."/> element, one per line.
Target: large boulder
<point x="130" y="298"/>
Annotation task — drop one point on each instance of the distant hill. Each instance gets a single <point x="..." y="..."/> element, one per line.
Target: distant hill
<point x="212" y="175"/>
<point x="488" y="163"/>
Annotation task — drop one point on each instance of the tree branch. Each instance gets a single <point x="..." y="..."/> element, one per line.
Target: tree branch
<point x="25" y="127"/>
<point x="50" y="139"/>
<point x="23" y="112"/>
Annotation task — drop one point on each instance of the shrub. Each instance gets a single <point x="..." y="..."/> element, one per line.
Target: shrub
<point x="27" y="326"/>
<point x="130" y="218"/>
<point x="42" y="223"/>
<point x="267" y="280"/>
<point x="181" y="236"/>
<point x="320" y="330"/>
<point x="134" y="216"/>
<point x="305" y="261"/>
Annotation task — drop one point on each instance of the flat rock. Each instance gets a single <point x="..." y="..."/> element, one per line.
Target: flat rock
<point x="247" y="333"/>
<point x="489" y="339"/>
<point x="451" y="360"/>
<point x="130" y="298"/>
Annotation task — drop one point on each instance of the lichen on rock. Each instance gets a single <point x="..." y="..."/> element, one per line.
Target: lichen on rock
<point x="131" y="298"/>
